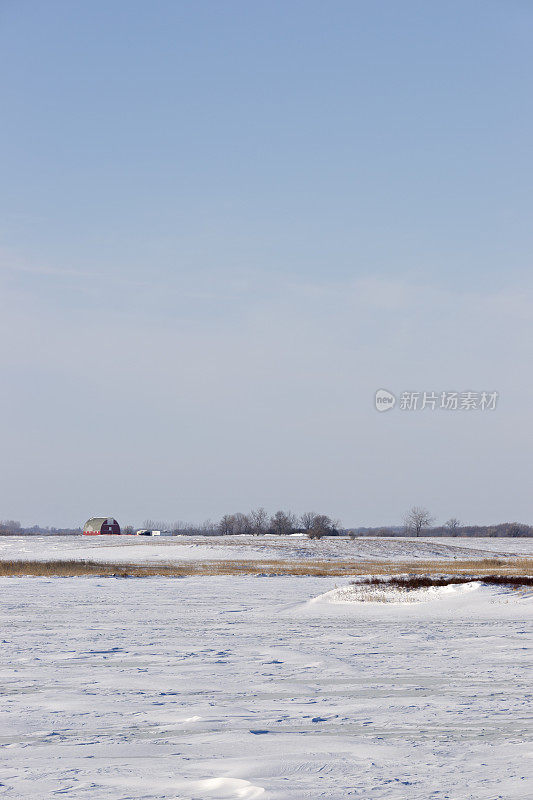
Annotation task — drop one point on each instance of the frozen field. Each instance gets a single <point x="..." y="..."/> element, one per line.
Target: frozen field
<point x="185" y="548"/>
<point x="244" y="688"/>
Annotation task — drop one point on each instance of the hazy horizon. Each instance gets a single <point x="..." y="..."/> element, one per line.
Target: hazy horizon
<point x="226" y="226"/>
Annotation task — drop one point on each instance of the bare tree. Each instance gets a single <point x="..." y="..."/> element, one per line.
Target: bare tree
<point x="416" y="519"/>
<point x="307" y="519"/>
<point x="259" y="521"/>
<point x="10" y="526"/>
<point x="241" y="524"/>
<point x="177" y="527"/>
<point x="225" y="526"/>
<point x="514" y="528"/>
<point x="323" y="525"/>
<point x="282" y="523"/>
<point x="209" y="526"/>
<point x="452" y="524"/>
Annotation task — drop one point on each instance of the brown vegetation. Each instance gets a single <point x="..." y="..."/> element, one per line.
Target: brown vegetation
<point x="425" y="582"/>
<point x="518" y="566"/>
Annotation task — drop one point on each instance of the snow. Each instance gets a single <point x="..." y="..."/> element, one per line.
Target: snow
<point x="185" y="548"/>
<point x="285" y="688"/>
<point x="361" y="593"/>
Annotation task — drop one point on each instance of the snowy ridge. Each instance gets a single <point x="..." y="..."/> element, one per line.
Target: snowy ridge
<point x="361" y="593"/>
<point x="127" y="549"/>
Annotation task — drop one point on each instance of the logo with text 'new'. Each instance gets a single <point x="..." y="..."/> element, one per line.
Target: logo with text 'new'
<point x="384" y="400"/>
<point x="431" y="401"/>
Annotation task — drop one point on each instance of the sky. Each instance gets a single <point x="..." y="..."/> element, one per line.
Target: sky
<point x="225" y="226"/>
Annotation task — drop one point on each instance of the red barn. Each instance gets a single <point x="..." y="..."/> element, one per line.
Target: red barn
<point x="101" y="526"/>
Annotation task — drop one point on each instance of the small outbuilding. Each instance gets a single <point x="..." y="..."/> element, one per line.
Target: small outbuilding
<point x="101" y="526"/>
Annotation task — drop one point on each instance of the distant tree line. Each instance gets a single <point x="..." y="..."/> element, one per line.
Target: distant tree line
<point x="254" y="523"/>
<point x="12" y="527"/>
<point x="207" y="528"/>
<point x="503" y="529"/>
<point x="282" y="523"/>
<point x="417" y="522"/>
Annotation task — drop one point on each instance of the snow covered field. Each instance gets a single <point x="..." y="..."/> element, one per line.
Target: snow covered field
<point x="271" y="688"/>
<point x="184" y="548"/>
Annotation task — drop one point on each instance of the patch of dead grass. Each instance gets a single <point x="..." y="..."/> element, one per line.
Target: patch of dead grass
<point x="77" y="568"/>
<point x="410" y="582"/>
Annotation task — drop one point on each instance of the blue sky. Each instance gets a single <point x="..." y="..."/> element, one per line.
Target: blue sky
<point x="223" y="226"/>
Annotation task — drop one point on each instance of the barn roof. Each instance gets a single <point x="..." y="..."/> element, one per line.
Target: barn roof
<point x="95" y="523"/>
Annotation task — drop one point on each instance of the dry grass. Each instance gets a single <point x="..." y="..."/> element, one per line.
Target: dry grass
<point x="407" y="583"/>
<point x="519" y="566"/>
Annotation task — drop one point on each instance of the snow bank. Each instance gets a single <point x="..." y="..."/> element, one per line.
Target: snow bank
<point x="363" y="593"/>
